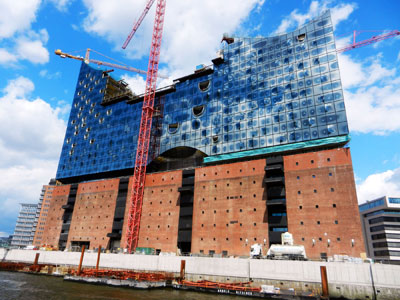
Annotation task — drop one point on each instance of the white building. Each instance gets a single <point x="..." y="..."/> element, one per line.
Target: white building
<point x="380" y="219"/>
<point x="25" y="228"/>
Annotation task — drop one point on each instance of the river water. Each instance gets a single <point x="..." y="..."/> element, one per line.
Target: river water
<point x="20" y="286"/>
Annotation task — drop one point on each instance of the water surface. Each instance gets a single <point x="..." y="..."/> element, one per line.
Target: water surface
<point x="20" y="286"/>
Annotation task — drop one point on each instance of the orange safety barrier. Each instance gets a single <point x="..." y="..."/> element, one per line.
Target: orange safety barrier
<point x="237" y="286"/>
<point x="123" y="275"/>
<point x="10" y="266"/>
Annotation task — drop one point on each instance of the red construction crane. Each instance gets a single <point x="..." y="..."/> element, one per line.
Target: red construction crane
<point x="142" y="152"/>
<point x="369" y="41"/>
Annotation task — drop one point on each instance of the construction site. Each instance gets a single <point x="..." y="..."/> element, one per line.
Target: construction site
<point x="234" y="154"/>
<point x="246" y="157"/>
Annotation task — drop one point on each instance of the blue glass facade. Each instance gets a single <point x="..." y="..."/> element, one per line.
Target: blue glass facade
<point x="267" y="92"/>
<point x="98" y="138"/>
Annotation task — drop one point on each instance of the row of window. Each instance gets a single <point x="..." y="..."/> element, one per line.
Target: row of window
<point x="382" y="211"/>
<point x="385" y="236"/>
<point x="387" y="253"/>
<point x="317" y="206"/>
<point x="314" y="176"/>
<point x="384" y="227"/>
<point x="319" y="222"/>
<point x="384" y="219"/>
<point x="386" y="244"/>
<point x="315" y="191"/>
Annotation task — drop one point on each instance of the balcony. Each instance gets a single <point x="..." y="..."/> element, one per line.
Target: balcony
<point x="277" y="179"/>
<point x="186" y="189"/>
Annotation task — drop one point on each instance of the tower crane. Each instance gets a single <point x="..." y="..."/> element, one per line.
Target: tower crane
<point x="369" y="41"/>
<point x="88" y="60"/>
<point x="142" y="152"/>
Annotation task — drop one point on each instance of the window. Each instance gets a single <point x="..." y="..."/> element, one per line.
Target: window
<point x="204" y="85"/>
<point x="312" y="161"/>
<point x="301" y="37"/>
<point x="301" y="223"/>
<point x="315" y="191"/>
<point x="372" y="204"/>
<point x="394" y="200"/>
<point x="330" y="174"/>
<point x="198" y="110"/>
<point x="336" y="222"/>
<point x="173" y="128"/>
<point x="316" y="206"/>
<point x="300" y="207"/>
<point x="332" y="189"/>
<point x="299" y="192"/>
<point x="298" y="177"/>
<point x="318" y="222"/>
<point x="334" y="205"/>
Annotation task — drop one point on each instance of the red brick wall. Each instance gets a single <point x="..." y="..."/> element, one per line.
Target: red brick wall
<point x="320" y="188"/>
<point x="160" y="211"/>
<point x="93" y="213"/>
<point x="229" y="207"/>
<point x="44" y="211"/>
<point x="52" y="229"/>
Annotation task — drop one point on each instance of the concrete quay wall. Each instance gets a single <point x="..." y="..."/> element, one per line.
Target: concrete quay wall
<point x="349" y="280"/>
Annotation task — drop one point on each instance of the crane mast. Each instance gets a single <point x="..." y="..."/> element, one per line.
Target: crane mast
<point x="142" y="152"/>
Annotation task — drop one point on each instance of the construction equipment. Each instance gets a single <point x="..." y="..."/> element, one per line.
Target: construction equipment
<point x="88" y="60"/>
<point x="369" y="41"/>
<point x="256" y="251"/>
<point x="142" y="152"/>
<point x="286" y="250"/>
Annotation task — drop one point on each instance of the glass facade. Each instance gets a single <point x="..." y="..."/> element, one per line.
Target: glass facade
<point x="98" y="138"/>
<point x="267" y="92"/>
<point x="372" y="204"/>
<point x="394" y="200"/>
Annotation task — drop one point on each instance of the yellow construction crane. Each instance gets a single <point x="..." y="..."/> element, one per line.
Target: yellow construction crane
<point x="88" y="60"/>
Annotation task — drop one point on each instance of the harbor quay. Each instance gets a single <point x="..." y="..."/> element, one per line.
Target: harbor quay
<point x="349" y="280"/>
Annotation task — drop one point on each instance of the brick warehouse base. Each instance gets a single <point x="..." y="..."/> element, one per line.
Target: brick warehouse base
<point x="222" y="209"/>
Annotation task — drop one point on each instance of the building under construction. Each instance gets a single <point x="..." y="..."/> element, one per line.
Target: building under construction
<point x="242" y="150"/>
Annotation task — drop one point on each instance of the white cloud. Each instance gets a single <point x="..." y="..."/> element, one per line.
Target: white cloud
<point x="61" y="5"/>
<point x="136" y="82"/>
<point x="6" y="57"/>
<point x="45" y="74"/>
<point x="339" y="13"/>
<point x="365" y="73"/>
<point x="372" y="95"/>
<point x="380" y="184"/>
<point x="16" y="16"/>
<point x="192" y="29"/>
<point x="31" y="137"/>
<point x="31" y="47"/>
<point x="22" y="42"/>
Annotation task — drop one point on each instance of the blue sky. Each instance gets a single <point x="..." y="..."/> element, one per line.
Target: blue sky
<point x="36" y="86"/>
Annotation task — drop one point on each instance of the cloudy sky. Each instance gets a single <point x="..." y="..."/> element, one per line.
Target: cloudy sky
<point x="36" y="86"/>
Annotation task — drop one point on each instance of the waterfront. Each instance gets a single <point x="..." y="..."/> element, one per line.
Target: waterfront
<point x="21" y="286"/>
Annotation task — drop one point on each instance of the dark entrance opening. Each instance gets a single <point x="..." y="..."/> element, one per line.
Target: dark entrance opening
<point x="186" y="212"/>
<point x="77" y="245"/>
